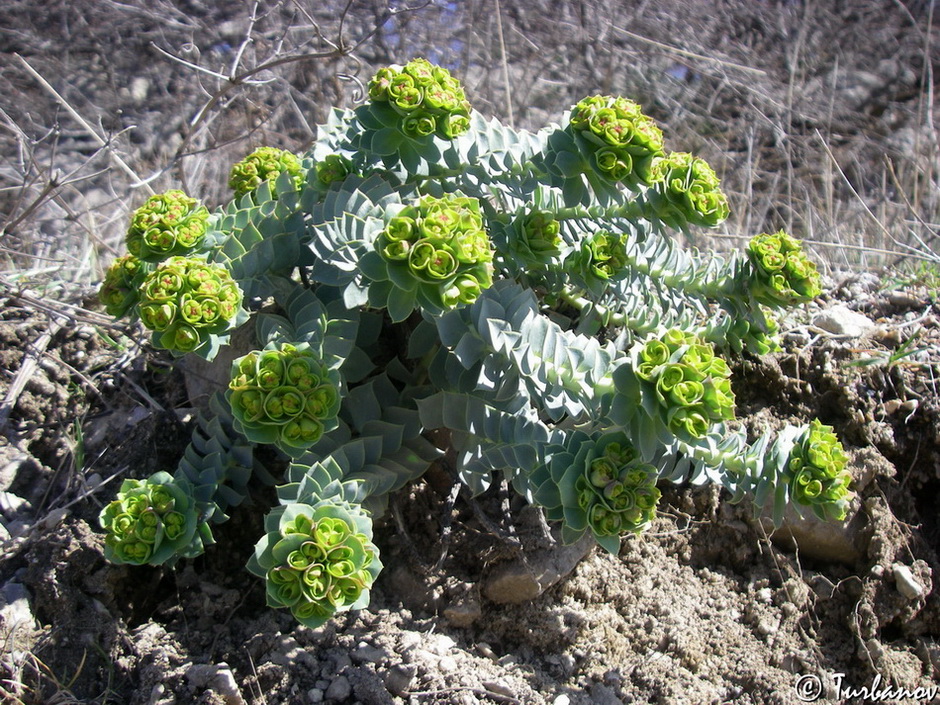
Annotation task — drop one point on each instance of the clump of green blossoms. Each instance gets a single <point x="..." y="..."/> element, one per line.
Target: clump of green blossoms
<point x="816" y="468"/>
<point x="317" y="561"/>
<point x="264" y="164"/>
<point x="286" y="397"/>
<point x="184" y="300"/>
<point x="119" y="290"/>
<point x="783" y="274"/>
<point x="150" y="521"/>
<point x="429" y="99"/>
<point x="692" y="385"/>
<point x="620" y="138"/>
<point x="436" y="253"/>
<point x="687" y="190"/>
<point x="332" y="169"/>
<point x="167" y="224"/>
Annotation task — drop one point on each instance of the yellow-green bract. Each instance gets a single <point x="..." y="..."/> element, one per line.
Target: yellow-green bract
<point x="264" y="164"/>
<point x="150" y="521"/>
<point x="285" y="396"/>
<point x="168" y="224"/>
<point x="317" y="560"/>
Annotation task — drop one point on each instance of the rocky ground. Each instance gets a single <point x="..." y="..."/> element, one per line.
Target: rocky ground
<point x="707" y="607"/>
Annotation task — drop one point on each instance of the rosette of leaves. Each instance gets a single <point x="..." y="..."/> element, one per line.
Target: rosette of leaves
<point x="684" y="382"/>
<point x="686" y="190"/>
<point x="284" y="396"/>
<point x="188" y="302"/>
<point x="264" y="164"/>
<point x="816" y="474"/>
<point x="597" y="484"/>
<point x="619" y="139"/>
<point x="426" y="99"/>
<point x="119" y="292"/>
<point x="167" y="224"/>
<point x="317" y="560"/>
<point x="782" y="274"/>
<point x="531" y="240"/>
<point x="333" y="168"/>
<point x="435" y="254"/>
<point x="150" y="521"/>
<point x="601" y="259"/>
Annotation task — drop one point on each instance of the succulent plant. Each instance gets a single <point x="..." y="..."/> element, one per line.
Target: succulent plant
<point x="783" y="274"/>
<point x="264" y="164"/>
<point x="150" y="521"/>
<point x="167" y="225"/>
<point x="522" y="292"/>
<point x="317" y="560"/>
<point x="186" y="300"/>
<point x="284" y="396"/>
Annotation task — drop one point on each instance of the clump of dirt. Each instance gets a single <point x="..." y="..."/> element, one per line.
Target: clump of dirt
<point x="705" y="607"/>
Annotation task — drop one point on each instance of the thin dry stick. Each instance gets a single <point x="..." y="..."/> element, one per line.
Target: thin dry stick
<point x="138" y="182"/>
<point x="505" y="61"/>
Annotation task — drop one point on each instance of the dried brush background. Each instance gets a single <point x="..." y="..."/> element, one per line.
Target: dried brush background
<point x="819" y="116"/>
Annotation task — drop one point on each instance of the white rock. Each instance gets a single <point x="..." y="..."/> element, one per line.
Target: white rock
<point x="840" y="320"/>
<point x="906" y="583"/>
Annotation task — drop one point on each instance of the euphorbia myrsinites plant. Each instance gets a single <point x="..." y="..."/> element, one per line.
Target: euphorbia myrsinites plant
<point x="430" y="268"/>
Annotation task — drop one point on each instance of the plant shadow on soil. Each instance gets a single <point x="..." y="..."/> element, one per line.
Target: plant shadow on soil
<point x="703" y="608"/>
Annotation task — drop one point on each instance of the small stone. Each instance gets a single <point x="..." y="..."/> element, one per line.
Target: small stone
<point x="562" y="700"/>
<point x="217" y="678"/>
<point x="463" y="613"/>
<point x="500" y="688"/>
<point x="339" y="689"/>
<point x="447" y="664"/>
<point x="519" y="582"/>
<point x="365" y="653"/>
<point x="906" y="583"/>
<point x="399" y="678"/>
<point x="11" y="504"/>
<point x="314" y="695"/>
<point x="840" y="320"/>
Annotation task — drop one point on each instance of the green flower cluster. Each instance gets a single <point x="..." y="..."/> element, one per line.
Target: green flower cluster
<point x="783" y="274"/>
<point x="687" y="190"/>
<point x="119" y="290"/>
<point x="615" y="488"/>
<point x="284" y="396"/>
<point x="429" y="99"/>
<point x="184" y="300"/>
<point x="332" y="168"/>
<point x="691" y="384"/>
<point x="167" y="224"/>
<point x="317" y="561"/>
<point x="440" y="248"/>
<point x="621" y="139"/>
<point x="149" y="521"/>
<point x="816" y="472"/>
<point x="264" y="164"/>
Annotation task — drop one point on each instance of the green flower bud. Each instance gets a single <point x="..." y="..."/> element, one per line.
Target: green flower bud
<point x="332" y="169"/>
<point x="150" y="520"/>
<point x="320" y="565"/>
<point x="817" y="475"/>
<point x="781" y="272"/>
<point x="687" y="190"/>
<point x="264" y="164"/>
<point x="167" y="224"/>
